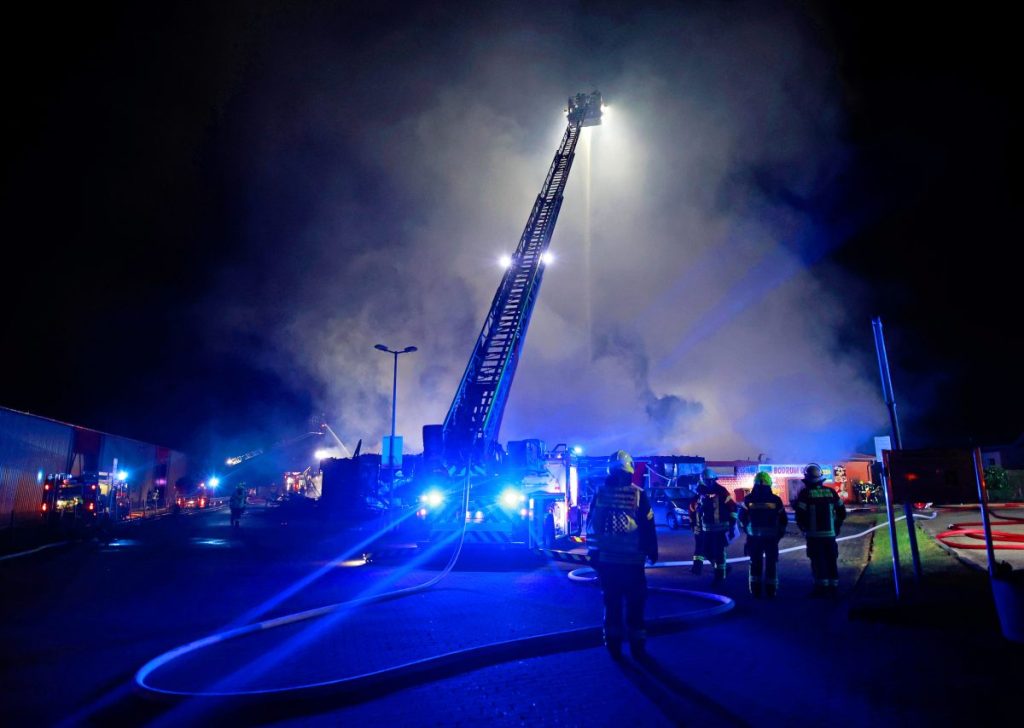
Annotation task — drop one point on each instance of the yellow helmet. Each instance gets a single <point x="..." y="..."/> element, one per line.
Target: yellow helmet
<point x="621" y="460"/>
<point x="763" y="478"/>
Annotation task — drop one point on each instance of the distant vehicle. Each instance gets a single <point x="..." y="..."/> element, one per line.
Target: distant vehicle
<point x="196" y="499"/>
<point x="84" y="500"/>
<point x="677" y="513"/>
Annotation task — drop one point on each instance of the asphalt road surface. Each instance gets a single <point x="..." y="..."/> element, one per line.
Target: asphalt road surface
<point x="79" y="621"/>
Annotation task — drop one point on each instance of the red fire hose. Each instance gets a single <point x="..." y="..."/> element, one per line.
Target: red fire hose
<point x="1000" y="539"/>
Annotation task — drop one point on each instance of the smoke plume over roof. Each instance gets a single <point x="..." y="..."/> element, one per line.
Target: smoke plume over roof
<point x="383" y="182"/>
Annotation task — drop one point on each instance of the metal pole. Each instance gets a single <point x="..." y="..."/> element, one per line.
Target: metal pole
<point x="897" y="441"/>
<point x="887" y="391"/>
<point x="884" y="479"/>
<point x="979" y="480"/>
<point x="394" y="399"/>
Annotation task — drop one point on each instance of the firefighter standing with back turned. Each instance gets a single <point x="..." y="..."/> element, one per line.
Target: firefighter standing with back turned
<point x="620" y="537"/>
<point x="763" y="518"/>
<point x="237" y="504"/>
<point x="715" y="523"/>
<point x="820" y="514"/>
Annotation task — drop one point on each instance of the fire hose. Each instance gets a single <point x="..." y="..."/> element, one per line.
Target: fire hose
<point x="586" y="573"/>
<point x="375" y="683"/>
<point x="1000" y="539"/>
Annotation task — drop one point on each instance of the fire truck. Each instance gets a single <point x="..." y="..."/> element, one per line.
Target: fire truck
<point x="303" y="483"/>
<point x="84" y="500"/>
<point x="530" y="498"/>
<point x="197" y="498"/>
<point x="525" y="495"/>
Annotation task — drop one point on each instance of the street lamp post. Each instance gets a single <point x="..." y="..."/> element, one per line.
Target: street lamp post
<point x="394" y="399"/>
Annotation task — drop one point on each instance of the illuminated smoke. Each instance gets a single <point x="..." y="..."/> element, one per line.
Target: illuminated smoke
<point x="382" y="182"/>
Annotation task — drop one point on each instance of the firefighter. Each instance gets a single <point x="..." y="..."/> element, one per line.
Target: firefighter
<point x="620" y="537"/>
<point x="763" y="518"/>
<point x="237" y="505"/>
<point x="715" y="513"/>
<point x="820" y="514"/>
<point x="698" y="540"/>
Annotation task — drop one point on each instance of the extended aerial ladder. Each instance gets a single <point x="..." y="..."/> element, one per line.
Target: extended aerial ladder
<point x="494" y="510"/>
<point x="474" y="418"/>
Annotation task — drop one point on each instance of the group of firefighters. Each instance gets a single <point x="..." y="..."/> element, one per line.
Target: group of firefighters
<point x="621" y="537"/>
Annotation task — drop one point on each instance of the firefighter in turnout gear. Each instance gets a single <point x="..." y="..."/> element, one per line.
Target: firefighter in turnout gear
<point x="715" y="523"/>
<point x="763" y="518"/>
<point x="237" y="504"/>
<point x="698" y="541"/>
<point x="620" y="538"/>
<point x="820" y="514"/>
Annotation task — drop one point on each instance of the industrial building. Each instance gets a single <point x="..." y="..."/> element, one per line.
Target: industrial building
<point x="843" y="476"/>
<point x="32" y="447"/>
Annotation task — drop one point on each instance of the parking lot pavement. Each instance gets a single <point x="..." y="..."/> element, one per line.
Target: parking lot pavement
<point x="178" y="580"/>
<point x="970" y="546"/>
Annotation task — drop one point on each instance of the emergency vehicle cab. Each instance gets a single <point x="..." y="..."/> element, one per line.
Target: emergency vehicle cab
<point x="84" y="499"/>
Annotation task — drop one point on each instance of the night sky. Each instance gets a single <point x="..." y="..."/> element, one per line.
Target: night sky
<point x="212" y="214"/>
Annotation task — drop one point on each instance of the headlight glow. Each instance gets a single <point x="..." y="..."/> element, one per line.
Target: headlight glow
<point x="511" y="498"/>
<point x="432" y="498"/>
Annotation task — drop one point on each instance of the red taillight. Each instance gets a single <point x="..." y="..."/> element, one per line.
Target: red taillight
<point x="46" y="487"/>
<point x="92" y="506"/>
<point x="44" y="506"/>
<point x="202" y="503"/>
<point x="94" y="487"/>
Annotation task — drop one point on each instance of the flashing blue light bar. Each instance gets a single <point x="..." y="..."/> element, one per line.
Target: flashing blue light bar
<point x="432" y="498"/>
<point x="214" y="481"/>
<point x="122" y="475"/>
<point x="511" y="498"/>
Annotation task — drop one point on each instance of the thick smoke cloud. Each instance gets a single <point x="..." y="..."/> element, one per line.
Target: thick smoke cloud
<point x="684" y="313"/>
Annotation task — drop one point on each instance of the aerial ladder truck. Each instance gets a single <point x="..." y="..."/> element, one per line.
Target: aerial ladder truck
<point x="532" y="506"/>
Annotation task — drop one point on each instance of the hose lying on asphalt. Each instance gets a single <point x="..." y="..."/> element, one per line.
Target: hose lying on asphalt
<point x="142" y="677"/>
<point x="1000" y="539"/>
<point x="36" y="550"/>
<point x="373" y="684"/>
<point x="587" y="573"/>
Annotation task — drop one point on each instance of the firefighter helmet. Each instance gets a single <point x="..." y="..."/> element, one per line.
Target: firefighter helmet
<point x="813" y="474"/>
<point x="621" y="460"/>
<point x="709" y="475"/>
<point x="763" y="478"/>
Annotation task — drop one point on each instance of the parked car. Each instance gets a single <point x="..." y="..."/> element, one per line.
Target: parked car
<point x="677" y="513"/>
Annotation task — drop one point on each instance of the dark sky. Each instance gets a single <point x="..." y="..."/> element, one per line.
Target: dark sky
<point x="212" y="214"/>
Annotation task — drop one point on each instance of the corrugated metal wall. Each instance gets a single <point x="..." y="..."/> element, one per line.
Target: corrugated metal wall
<point x="31" y="447"/>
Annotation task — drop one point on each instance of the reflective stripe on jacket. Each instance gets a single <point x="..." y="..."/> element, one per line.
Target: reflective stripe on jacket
<point x="763" y="514"/>
<point x="819" y="512"/>
<point x="620" y="524"/>
<point x="716" y="510"/>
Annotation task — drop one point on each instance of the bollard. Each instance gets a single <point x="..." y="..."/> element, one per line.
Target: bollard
<point x="1008" y="593"/>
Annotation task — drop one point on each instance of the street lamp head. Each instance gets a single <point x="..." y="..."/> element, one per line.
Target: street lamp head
<point x="381" y="347"/>
<point x="408" y="349"/>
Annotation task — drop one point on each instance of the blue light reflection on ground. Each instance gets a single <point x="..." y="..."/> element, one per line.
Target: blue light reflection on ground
<point x="243" y="679"/>
<point x="122" y="543"/>
<point x="212" y="542"/>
